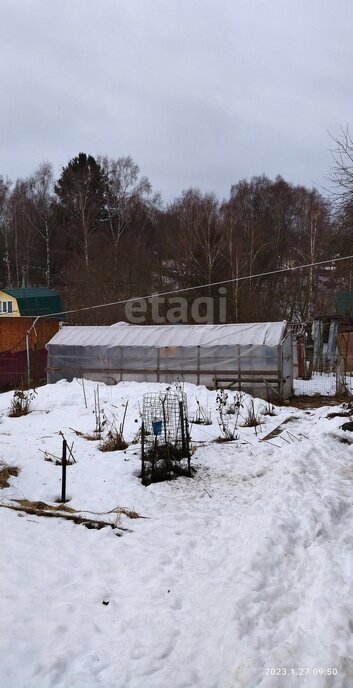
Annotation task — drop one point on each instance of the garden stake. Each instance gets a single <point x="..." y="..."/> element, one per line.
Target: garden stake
<point x="63" y="473"/>
<point x="182" y="426"/>
<point x="165" y="438"/>
<point x="143" y="449"/>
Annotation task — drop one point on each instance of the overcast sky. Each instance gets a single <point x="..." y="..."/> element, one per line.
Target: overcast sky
<point x="200" y="93"/>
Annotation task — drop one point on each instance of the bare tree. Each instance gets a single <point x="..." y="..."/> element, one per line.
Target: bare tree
<point x="342" y="172"/>
<point x="199" y="236"/>
<point x="342" y="178"/>
<point x="5" y="225"/>
<point x="232" y="254"/>
<point x="40" y="191"/>
<point x="23" y="233"/>
<point x="250" y="202"/>
<point x="125" y="192"/>
<point x="313" y="229"/>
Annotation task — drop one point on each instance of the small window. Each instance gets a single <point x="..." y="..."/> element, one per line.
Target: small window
<point x="4" y="306"/>
<point x="9" y="306"/>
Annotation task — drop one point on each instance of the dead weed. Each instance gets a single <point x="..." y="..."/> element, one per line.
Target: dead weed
<point x="5" y="474"/>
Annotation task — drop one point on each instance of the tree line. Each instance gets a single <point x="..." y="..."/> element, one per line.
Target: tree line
<point x="99" y="233"/>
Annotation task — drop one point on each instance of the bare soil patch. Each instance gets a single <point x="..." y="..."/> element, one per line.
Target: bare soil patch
<point x="306" y="402"/>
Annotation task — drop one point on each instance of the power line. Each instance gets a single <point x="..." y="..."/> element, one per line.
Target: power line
<point x="199" y="286"/>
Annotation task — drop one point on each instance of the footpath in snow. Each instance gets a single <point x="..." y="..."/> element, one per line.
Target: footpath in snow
<point x="241" y="571"/>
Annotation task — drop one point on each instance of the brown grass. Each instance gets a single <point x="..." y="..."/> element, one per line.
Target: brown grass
<point x="26" y="503"/>
<point x="340" y="414"/>
<point x="5" y="474"/>
<point x="60" y="511"/>
<point x="312" y="402"/>
<point x="43" y="506"/>
<point x="222" y="440"/>
<point x="91" y="437"/>
<point x="252" y="419"/>
<point x="114" y="442"/>
<point x="21" y="402"/>
<point x="16" y="411"/>
<point x="128" y="512"/>
<point x="251" y="422"/>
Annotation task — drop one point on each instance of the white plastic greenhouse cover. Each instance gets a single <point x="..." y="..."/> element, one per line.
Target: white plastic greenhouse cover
<point x="160" y="336"/>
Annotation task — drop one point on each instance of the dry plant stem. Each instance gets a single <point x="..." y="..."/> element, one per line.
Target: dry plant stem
<point x="64" y="507"/>
<point x="86" y="436"/>
<point x="123" y="421"/>
<point x="56" y="513"/>
<point x="113" y="443"/>
<point x="69" y="448"/>
<point x="203" y="417"/>
<point x="97" y="410"/>
<point x="251" y="419"/>
<point x="82" y="383"/>
<point x="115" y="439"/>
<point x="20" y="403"/>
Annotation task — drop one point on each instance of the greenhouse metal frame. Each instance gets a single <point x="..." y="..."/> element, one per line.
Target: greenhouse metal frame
<point x="254" y="357"/>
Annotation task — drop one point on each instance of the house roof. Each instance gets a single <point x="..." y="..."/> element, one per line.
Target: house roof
<point x="160" y="336"/>
<point x="34" y="301"/>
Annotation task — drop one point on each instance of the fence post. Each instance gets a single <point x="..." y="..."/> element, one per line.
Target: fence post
<point x="341" y="379"/>
<point x="28" y="361"/>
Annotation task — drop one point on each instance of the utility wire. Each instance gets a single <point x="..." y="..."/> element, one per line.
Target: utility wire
<point x="199" y="286"/>
<point x="177" y="291"/>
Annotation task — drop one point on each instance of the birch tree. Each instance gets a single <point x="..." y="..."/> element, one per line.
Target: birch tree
<point x="126" y="192"/>
<point x="40" y="191"/>
<point x="5" y="226"/>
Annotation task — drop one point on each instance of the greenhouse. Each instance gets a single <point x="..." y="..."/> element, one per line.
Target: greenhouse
<point x="255" y="357"/>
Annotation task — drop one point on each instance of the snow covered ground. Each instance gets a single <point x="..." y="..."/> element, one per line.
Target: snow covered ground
<point x="239" y="572"/>
<point x="319" y="383"/>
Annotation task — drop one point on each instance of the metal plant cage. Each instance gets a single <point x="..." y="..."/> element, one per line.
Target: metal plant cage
<point x="165" y="446"/>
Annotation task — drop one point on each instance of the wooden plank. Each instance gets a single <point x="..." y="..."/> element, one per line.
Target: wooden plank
<point x="173" y="371"/>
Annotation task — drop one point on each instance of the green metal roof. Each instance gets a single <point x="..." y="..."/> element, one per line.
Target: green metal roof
<point x="344" y="303"/>
<point x="36" y="300"/>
